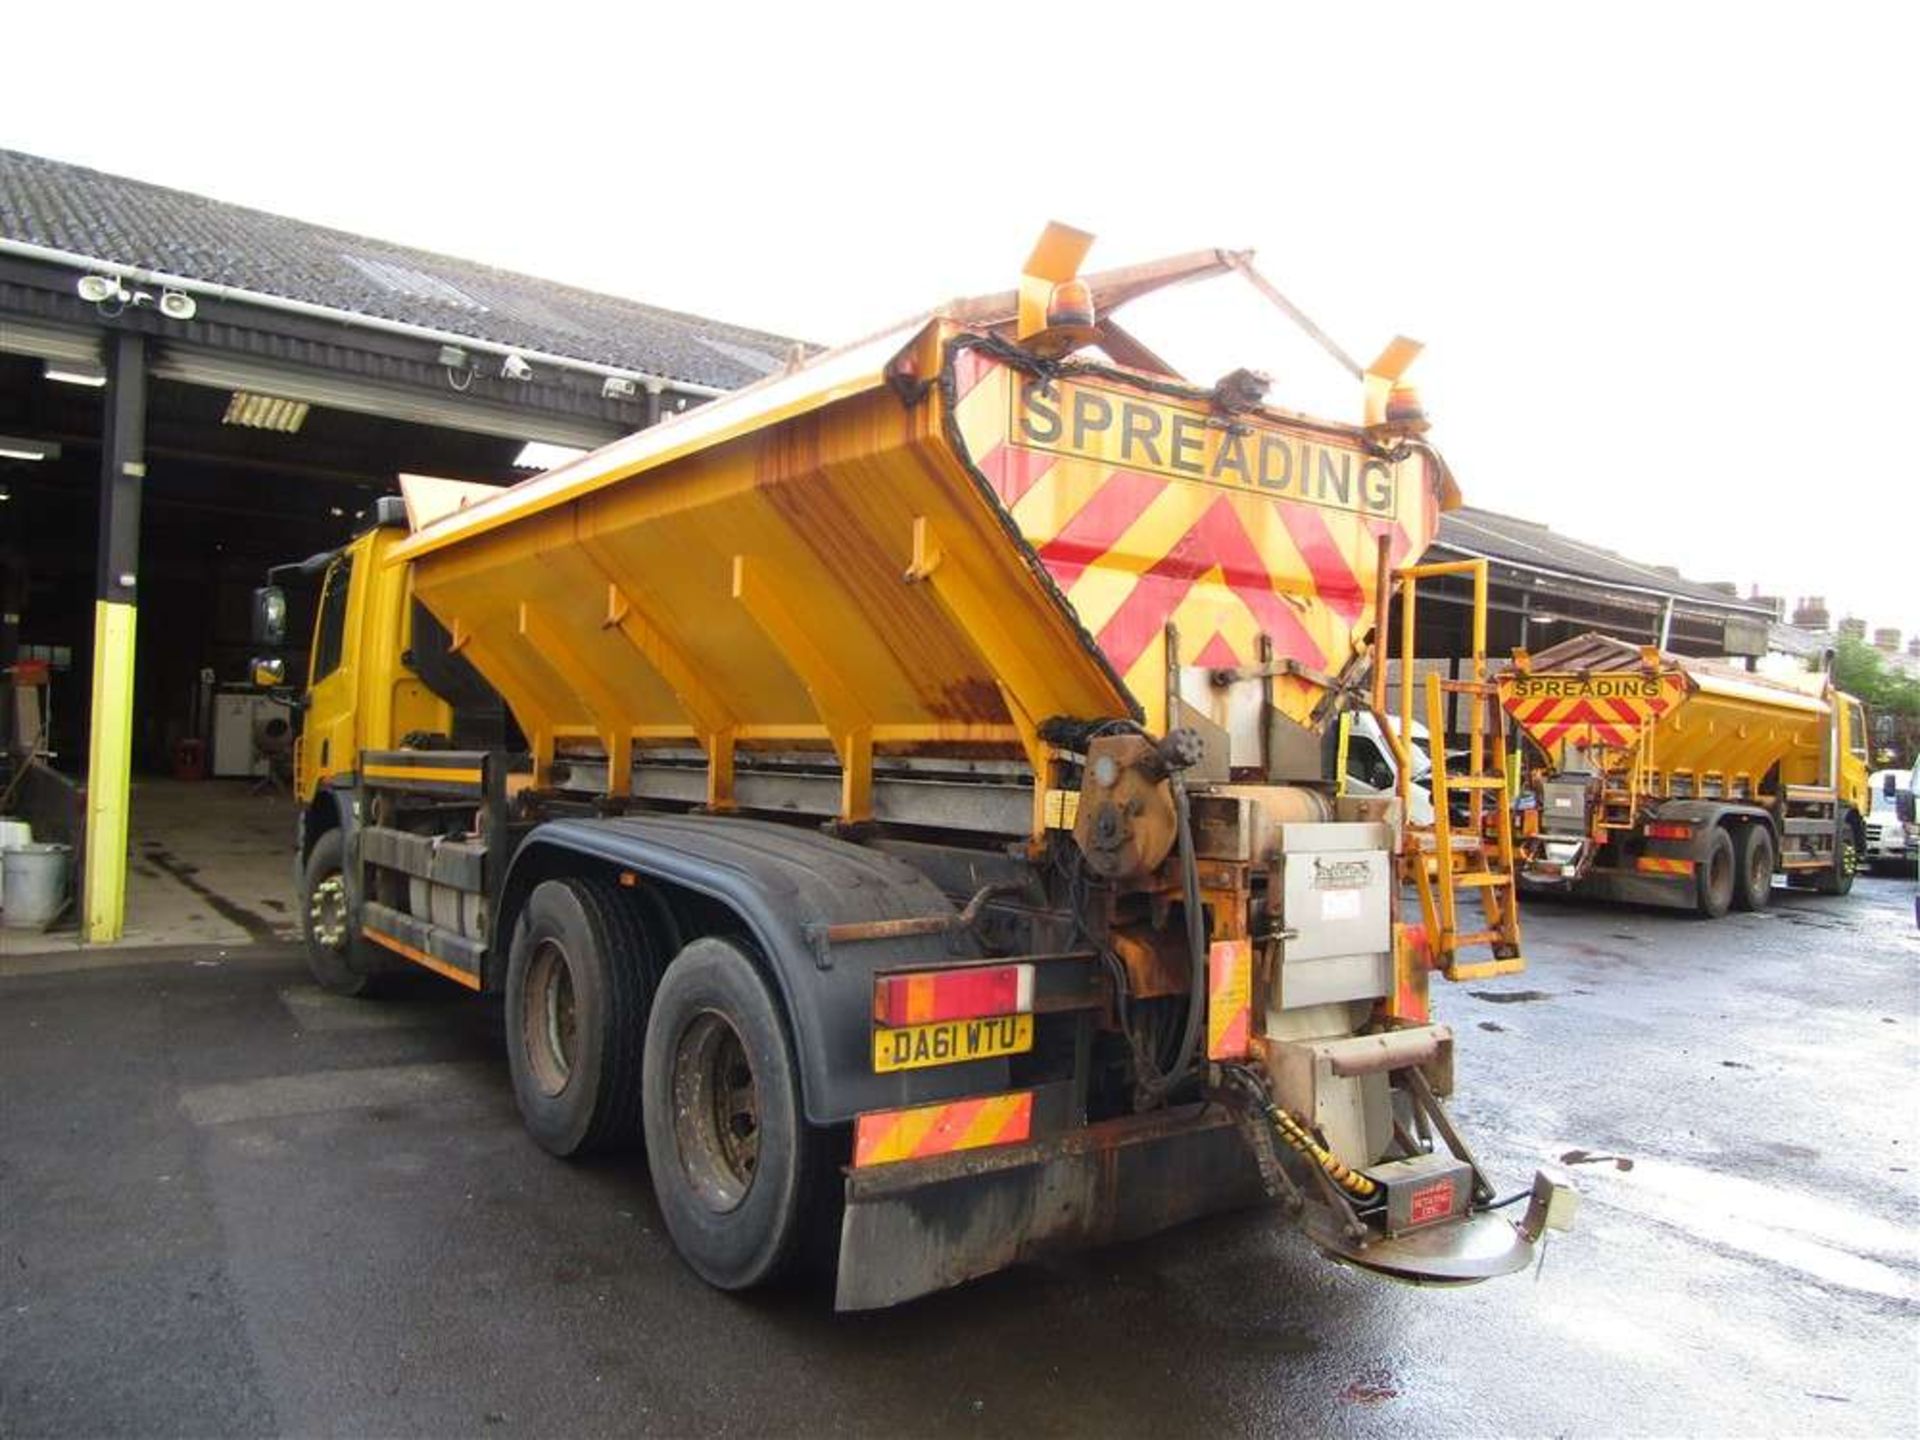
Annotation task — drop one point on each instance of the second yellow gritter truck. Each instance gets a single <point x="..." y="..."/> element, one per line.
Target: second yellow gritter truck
<point x="1673" y="781"/>
<point x="894" y="795"/>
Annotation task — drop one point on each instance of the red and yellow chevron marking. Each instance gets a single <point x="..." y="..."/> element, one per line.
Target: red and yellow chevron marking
<point x="1613" y="710"/>
<point x="1229" y="999"/>
<point x="884" y="1136"/>
<point x="1147" y="510"/>
<point x="1661" y="865"/>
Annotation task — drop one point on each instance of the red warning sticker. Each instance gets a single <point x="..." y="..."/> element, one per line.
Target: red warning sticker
<point x="1430" y="1202"/>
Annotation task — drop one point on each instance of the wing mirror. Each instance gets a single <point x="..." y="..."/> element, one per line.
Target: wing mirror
<point x="270" y="672"/>
<point x="270" y="617"/>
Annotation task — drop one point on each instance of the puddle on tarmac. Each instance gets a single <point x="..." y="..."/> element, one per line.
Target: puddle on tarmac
<point x="1824" y="1241"/>
<point x="1510" y="997"/>
<point x="1587" y="1157"/>
<point x="1375" y="1387"/>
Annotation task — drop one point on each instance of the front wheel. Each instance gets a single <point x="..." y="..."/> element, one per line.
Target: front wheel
<point x="1713" y="877"/>
<point x="1846" y="846"/>
<point x="728" y="1145"/>
<point x="1753" y="864"/>
<point x="339" y="957"/>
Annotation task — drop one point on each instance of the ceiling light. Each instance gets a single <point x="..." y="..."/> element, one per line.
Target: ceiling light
<point x="265" y="412"/>
<point x="77" y="372"/>
<point x="15" y="447"/>
<point x="178" y="305"/>
<point x="539" y="455"/>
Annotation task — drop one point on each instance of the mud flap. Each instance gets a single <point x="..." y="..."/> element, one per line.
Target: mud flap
<point x="920" y="1226"/>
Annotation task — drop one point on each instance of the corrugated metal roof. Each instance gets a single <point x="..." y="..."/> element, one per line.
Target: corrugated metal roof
<point x="1529" y="545"/>
<point x="129" y="222"/>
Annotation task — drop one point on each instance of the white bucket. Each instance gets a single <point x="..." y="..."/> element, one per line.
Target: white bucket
<point x="13" y="833"/>
<point x="35" y="885"/>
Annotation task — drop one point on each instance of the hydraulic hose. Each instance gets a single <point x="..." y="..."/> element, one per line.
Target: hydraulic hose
<point x="1296" y="1135"/>
<point x="1196" y="938"/>
<point x="1289" y="1128"/>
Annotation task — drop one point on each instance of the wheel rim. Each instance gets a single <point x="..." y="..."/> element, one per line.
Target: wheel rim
<point x="716" y="1111"/>
<point x="548" y="1024"/>
<point x="1850" y="857"/>
<point x="1759" y="870"/>
<point x="327" y="911"/>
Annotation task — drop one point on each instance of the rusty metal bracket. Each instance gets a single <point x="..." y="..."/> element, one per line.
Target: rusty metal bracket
<point x="963" y="919"/>
<point x="1429" y="1103"/>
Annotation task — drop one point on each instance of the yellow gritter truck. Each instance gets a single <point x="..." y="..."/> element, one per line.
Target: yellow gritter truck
<point x="1675" y="781"/>
<point x="893" y="794"/>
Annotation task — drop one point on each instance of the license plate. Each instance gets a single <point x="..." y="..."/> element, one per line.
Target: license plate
<point x="948" y="1042"/>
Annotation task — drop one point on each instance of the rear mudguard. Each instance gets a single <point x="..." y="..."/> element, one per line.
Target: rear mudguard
<point x="785" y="885"/>
<point x="919" y="1226"/>
<point x="923" y="1225"/>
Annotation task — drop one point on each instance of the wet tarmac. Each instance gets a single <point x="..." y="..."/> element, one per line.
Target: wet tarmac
<point x="230" y="1204"/>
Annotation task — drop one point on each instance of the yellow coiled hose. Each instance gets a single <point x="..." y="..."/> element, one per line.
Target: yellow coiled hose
<point x="1298" y="1136"/>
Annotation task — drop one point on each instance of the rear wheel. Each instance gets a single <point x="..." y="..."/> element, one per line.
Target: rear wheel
<point x="339" y="957"/>
<point x="1753" y="866"/>
<point x="580" y="978"/>
<point x="733" y="1161"/>
<point x="1713" y="877"/>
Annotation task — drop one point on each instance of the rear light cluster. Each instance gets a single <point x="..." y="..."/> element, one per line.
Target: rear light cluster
<point x="1669" y="830"/>
<point x="969" y="993"/>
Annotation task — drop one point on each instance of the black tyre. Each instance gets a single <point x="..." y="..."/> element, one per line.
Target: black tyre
<point x="1714" y="877"/>
<point x="1753" y="867"/>
<point x="733" y="1161"/>
<point x="580" y="979"/>
<point x="340" y="958"/>
<point x="1847" y="846"/>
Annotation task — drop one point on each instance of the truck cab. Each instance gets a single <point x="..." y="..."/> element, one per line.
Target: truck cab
<point x="362" y="691"/>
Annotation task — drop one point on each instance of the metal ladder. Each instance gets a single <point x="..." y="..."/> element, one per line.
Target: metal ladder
<point x="1445" y="860"/>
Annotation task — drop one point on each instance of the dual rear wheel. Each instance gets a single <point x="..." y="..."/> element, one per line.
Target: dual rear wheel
<point x="609" y="1045"/>
<point x="1737" y="871"/>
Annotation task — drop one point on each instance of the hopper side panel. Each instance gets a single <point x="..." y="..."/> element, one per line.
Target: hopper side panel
<point x="762" y="588"/>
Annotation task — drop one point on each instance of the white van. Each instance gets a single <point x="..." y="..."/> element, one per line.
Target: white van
<point x="1370" y="767"/>
<point x="1890" y="836"/>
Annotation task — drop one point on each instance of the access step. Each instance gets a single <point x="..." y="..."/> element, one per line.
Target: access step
<point x="1486" y="969"/>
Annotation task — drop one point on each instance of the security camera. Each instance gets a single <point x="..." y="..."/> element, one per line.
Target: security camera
<point x="178" y="305"/>
<point x="514" y="368"/>
<point x="101" y="289"/>
<point x="617" y="387"/>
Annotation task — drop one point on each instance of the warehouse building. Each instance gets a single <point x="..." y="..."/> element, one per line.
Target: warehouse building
<point x="1545" y="588"/>
<point x="191" y="391"/>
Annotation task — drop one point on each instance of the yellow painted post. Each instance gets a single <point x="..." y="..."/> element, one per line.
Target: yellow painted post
<point x="123" y="471"/>
<point x="109" y="772"/>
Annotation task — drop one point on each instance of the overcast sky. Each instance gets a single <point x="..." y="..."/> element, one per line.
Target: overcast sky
<point x="1662" y="257"/>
